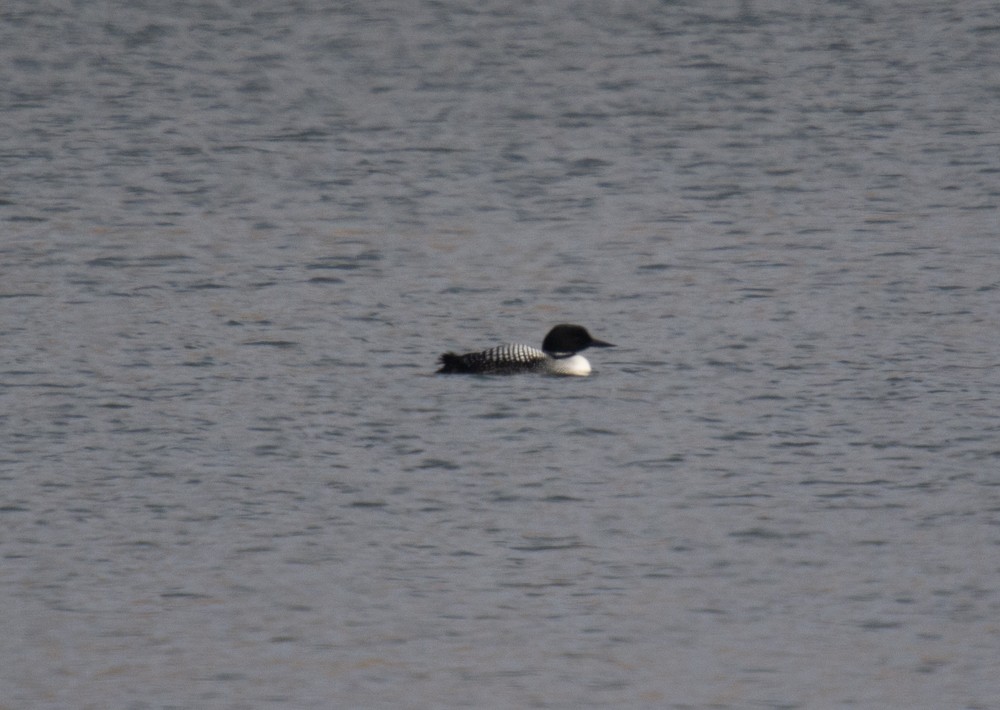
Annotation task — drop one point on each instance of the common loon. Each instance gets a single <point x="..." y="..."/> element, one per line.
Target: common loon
<point x="558" y="356"/>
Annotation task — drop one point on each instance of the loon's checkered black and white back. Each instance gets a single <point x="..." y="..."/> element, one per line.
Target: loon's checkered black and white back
<point x="502" y="360"/>
<point x="558" y="356"/>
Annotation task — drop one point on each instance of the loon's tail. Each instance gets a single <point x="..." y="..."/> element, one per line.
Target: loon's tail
<point x="452" y="363"/>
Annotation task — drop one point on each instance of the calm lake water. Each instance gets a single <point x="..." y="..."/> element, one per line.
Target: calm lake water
<point x="237" y="235"/>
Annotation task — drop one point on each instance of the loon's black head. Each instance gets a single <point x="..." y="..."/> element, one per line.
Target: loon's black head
<point x="565" y="340"/>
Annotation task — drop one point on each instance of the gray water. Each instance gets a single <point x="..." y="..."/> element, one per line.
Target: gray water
<point x="237" y="235"/>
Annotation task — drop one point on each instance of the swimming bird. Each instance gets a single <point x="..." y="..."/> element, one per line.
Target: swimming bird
<point x="558" y="356"/>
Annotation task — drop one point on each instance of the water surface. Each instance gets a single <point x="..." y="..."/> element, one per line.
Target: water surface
<point x="236" y="238"/>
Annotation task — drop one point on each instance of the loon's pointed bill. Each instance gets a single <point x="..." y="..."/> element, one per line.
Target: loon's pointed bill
<point x="558" y="356"/>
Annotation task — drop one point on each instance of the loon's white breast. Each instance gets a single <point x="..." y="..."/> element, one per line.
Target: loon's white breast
<point x="576" y="365"/>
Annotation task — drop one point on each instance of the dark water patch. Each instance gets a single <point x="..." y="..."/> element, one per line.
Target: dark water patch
<point x="836" y="482"/>
<point x="256" y="322"/>
<point x="729" y="365"/>
<point x="500" y="413"/>
<point x="353" y="262"/>
<point x="206" y="361"/>
<point x="591" y="431"/>
<point x="548" y="545"/>
<point x="739" y="435"/>
<point x="722" y="500"/>
<point x="756" y="292"/>
<point x="576" y="289"/>
<point x="714" y="193"/>
<point x="185" y="595"/>
<point x="158" y="260"/>
<point x="309" y="135"/>
<point x="762" y="533"/>
<point x="205" y="286"/>
<point x="272" y="343"/>
<point x="879" y="625"/>
<point x="656" y="267"/>
<point x="439" y="463"/>
<point x="108" y="262"/>
<point x="504" y="497"/>
<point x="666" y="462"/>
<point x="22" y="295"/>
<point x="586" y="166"/>
<point x="562" y="499"/>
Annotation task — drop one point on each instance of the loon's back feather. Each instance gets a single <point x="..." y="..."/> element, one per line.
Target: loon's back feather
<point x="501" y="360"/>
